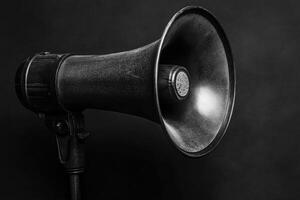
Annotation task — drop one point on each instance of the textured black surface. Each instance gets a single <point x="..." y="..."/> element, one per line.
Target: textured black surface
<point x="35" y="83"/>
<point x="130" y="158"/>
<point x="122" y="82"/>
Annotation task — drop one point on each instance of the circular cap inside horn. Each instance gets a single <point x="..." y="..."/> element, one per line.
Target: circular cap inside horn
<point x="181" y="83"/>
<point x="194" y="40"/>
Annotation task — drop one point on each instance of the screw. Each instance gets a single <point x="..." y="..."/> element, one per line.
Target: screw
<point x="45" y="53"/>
<point x="62" y="128"/>
<point x="41" y="115"/>
<point x="82" y="135"/>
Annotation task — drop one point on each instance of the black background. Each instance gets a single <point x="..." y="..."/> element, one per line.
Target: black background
<point x="129" y="157"/>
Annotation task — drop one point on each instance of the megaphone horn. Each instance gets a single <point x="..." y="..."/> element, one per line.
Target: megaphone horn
<point x="185" y="81"/>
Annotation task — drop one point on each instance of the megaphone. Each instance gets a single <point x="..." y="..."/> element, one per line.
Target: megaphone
<point x="185" y="81"/>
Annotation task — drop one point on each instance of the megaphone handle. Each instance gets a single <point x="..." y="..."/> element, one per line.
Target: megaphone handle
<point x="70" y="137"/>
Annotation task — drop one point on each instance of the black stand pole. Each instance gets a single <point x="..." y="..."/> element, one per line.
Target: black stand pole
<point x="75" y="186"/>
<point x="70" y="137"/>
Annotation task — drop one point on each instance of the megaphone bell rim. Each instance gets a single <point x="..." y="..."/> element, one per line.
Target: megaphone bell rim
<point x="232" y="82"/>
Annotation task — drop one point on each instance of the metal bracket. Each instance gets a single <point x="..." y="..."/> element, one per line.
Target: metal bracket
<point x="70" y="138"/>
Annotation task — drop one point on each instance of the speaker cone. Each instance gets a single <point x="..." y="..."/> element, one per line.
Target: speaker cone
<point x="195" y="40"/>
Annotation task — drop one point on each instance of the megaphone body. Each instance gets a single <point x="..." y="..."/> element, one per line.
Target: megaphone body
<point x="185" y="81"/>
